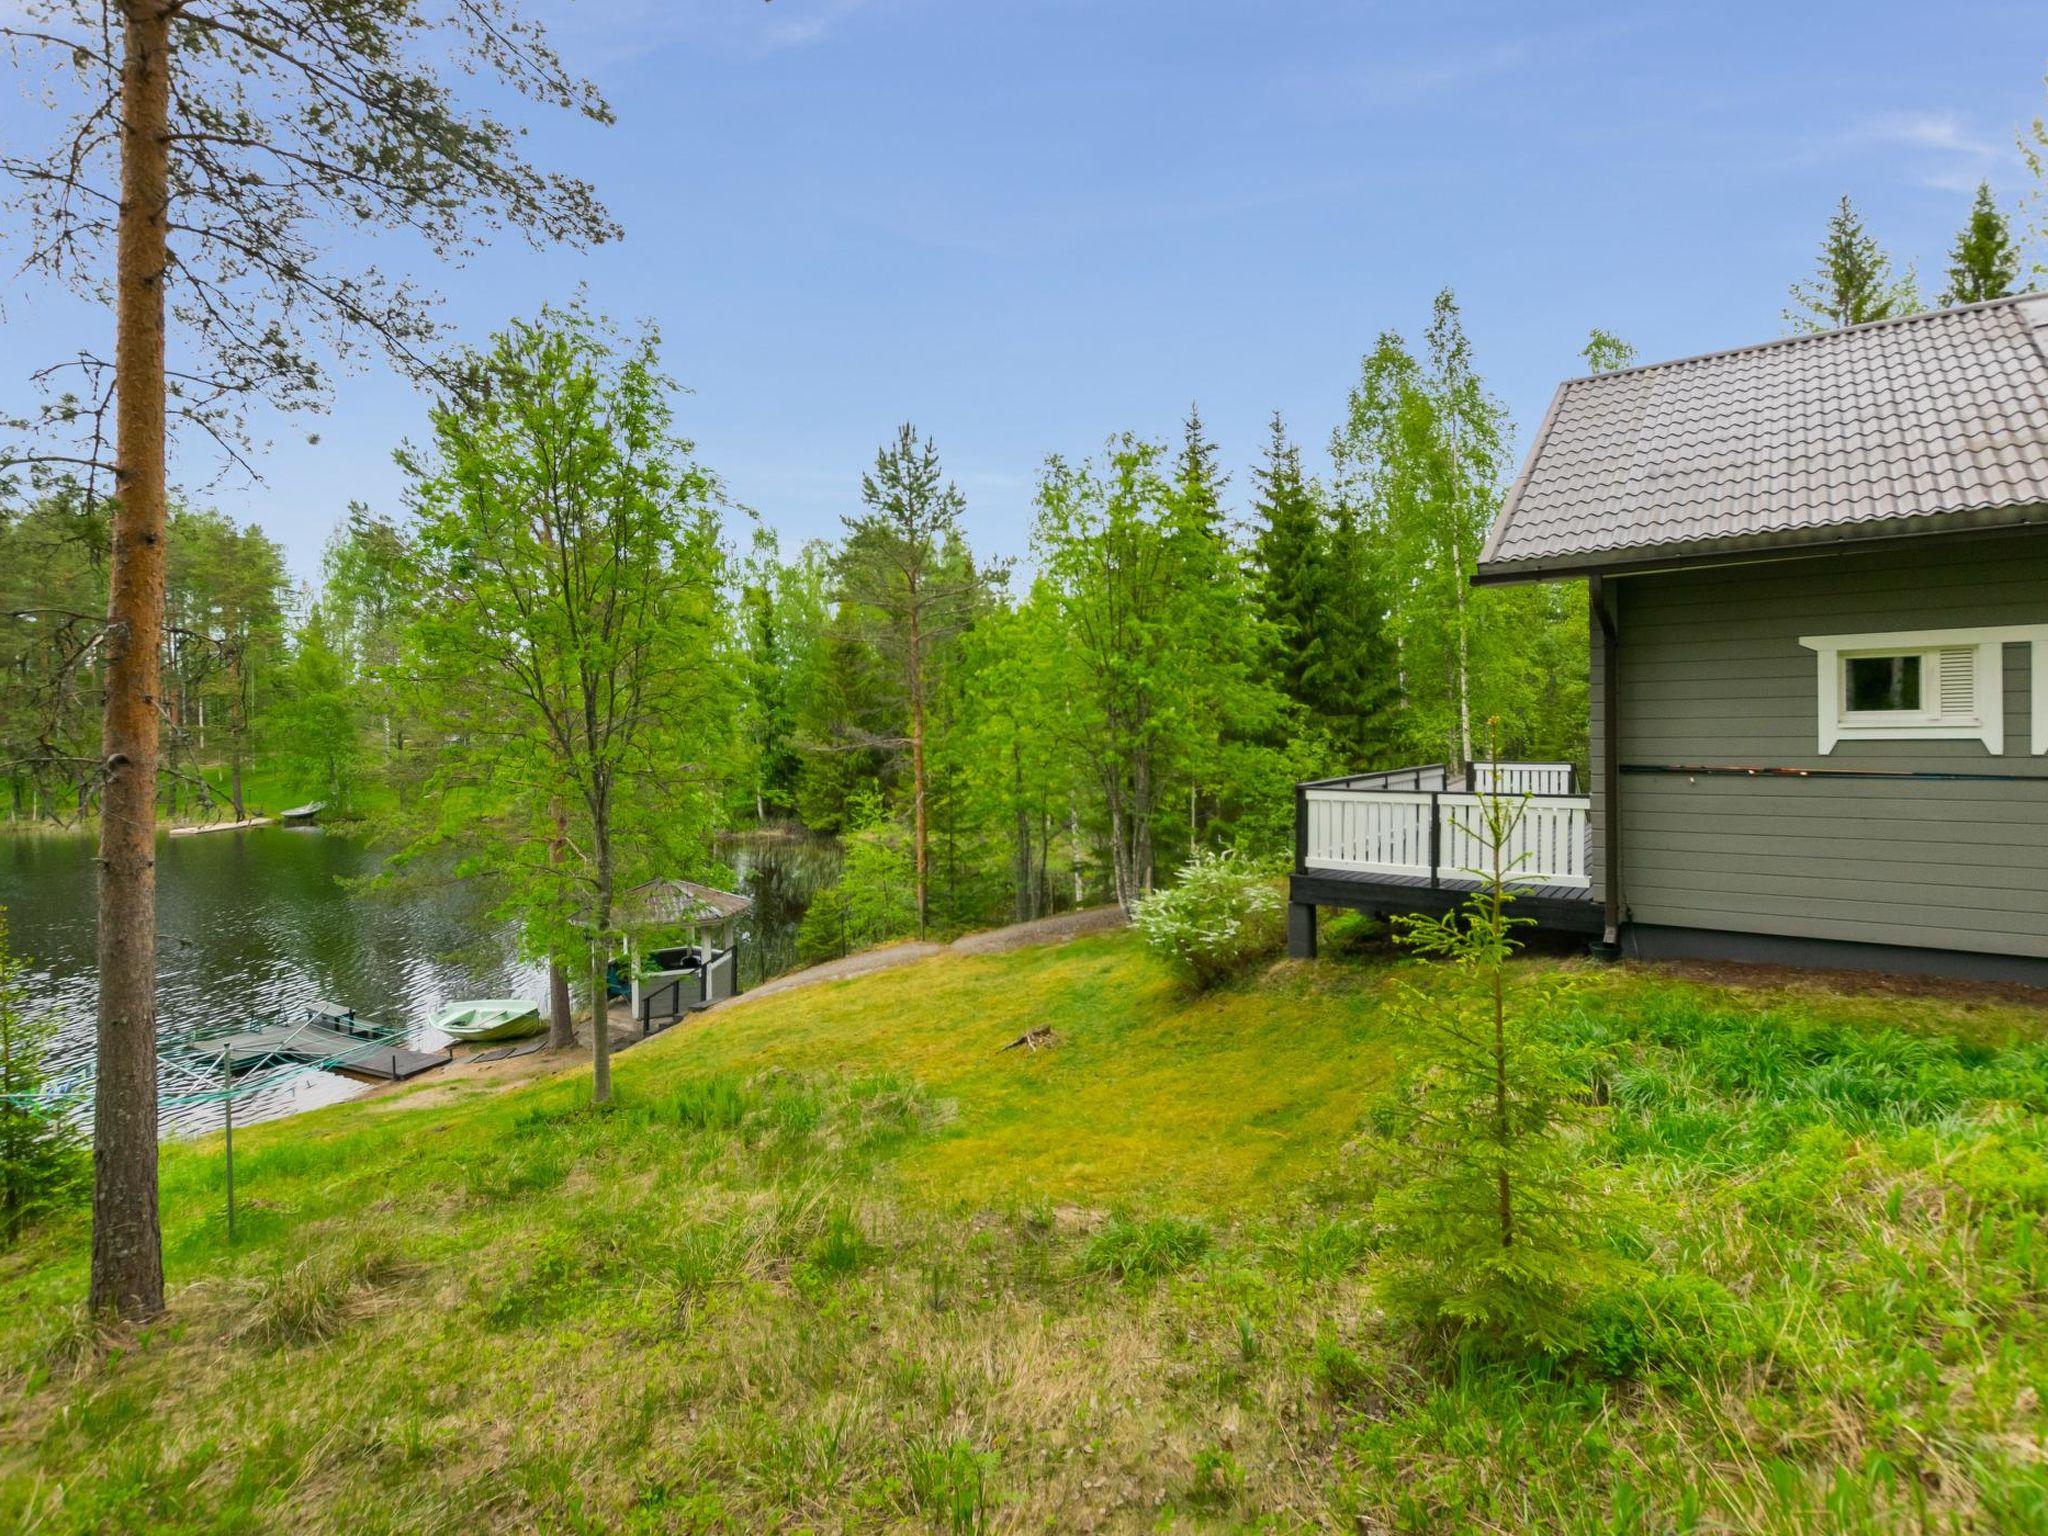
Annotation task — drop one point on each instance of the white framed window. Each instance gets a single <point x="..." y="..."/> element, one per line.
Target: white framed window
<point x="1925" y="685"/>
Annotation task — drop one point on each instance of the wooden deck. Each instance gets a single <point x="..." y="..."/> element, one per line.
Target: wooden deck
<point x="1405" y="840"/>
<point x="319" y="1044"/>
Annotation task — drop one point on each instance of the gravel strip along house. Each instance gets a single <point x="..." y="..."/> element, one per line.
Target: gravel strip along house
<point x="1818" y="592"/>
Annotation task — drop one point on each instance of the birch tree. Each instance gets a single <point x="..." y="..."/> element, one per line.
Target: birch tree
<point x="204" y="151"/>
<point x="567" y="632"/>
<point x="1421" y="458"/>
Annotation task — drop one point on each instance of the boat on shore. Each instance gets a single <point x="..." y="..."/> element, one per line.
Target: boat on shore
<point x="489" y="1018"/>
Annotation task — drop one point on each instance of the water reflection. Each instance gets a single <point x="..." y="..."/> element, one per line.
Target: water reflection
<point x="261" y="923"/>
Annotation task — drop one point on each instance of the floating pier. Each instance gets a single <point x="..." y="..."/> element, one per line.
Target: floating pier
<point x="330" y="1037"/>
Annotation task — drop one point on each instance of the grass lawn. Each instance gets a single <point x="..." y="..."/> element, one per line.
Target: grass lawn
<point x="836" y="1261"/>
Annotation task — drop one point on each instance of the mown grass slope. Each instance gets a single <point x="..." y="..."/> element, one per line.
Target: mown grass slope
<point x="838" y="1262"/>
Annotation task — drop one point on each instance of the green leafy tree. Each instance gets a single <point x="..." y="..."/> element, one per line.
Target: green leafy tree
<point x="1853" y="283"/>
<point x="53" y="586"/>
<point x="846" y="713"/>
<point x="312" y="727"/>
<point x="1421" y="458"/>
<point x="1010" y="756"/>
<point x="874" y="899"/>
<point x="1606" y="352"/>
<point x="1984" y="263"/>
<point x="567" y="633"/>
<point x="366" y="604"/>
<point x="225" y="639"/>
<point x="1498" y="1219"/>
<point x="2033" y="146"/>
<point x="42" y="1163"/>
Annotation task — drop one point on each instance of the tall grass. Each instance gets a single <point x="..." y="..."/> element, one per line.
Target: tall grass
<point x="721" y="1308"/>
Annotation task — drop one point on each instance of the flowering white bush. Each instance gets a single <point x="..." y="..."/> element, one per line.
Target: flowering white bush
<point x="1221" y="913"/>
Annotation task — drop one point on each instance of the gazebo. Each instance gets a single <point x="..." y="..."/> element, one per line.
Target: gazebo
<point x="696" y="973"/>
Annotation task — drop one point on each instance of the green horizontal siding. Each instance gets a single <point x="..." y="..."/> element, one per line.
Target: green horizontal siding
<point x="1712" y="674"/>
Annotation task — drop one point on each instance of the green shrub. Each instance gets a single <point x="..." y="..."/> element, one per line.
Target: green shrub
<point x="1143" y="1250"/>
<point x="1670" y="1327"/>
<point x="1220" y="915"/>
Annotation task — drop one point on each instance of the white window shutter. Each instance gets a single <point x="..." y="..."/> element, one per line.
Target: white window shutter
<point x="1955" y="693"/>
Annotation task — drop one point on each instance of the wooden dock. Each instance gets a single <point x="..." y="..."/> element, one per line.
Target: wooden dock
<point x="327" y="1043"/>
<point x="223" y="826"/>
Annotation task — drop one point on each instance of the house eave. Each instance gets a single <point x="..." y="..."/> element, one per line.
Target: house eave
<point x="1644" y="559"/>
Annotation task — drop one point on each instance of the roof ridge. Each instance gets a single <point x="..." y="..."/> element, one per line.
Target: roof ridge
<point x="1805" y="337"/>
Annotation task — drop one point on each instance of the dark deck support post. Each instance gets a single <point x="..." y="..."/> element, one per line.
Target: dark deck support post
<point x="1301" y="916"/>
<point x="1301" y="930"/>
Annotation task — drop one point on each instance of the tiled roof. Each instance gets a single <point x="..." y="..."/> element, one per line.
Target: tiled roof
<point x="1940" y="417"/>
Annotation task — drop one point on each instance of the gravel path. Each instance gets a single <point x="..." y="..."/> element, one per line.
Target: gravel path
<point x="994" y="941"/>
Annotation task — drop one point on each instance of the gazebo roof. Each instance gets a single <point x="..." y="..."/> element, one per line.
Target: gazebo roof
<point x="665" y="903"/>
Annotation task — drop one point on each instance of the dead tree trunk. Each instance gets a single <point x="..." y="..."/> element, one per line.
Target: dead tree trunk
<point x="127" y="1245"/>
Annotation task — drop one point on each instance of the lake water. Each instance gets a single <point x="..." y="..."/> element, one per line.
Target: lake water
<point x="260" y="923"/>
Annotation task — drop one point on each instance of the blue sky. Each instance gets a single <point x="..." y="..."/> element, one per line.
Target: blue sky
<point x="1024" y="225"/>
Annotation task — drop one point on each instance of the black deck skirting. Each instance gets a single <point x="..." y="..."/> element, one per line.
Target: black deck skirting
<point x="1561" y="909"/>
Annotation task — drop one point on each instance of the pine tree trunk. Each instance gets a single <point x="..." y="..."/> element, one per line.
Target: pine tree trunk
<point x="127" y="1244"/>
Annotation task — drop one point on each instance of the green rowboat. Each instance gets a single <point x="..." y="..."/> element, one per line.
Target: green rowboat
<point x="489" y="1018"/>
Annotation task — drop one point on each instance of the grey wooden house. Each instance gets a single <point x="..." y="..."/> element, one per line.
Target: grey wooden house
<point x="1818" y="578"/>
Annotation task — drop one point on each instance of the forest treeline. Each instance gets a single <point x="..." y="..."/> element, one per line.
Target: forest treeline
<point x="992" y="740"/>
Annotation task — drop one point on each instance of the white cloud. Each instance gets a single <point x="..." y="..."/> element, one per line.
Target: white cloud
<point x="1941" y="150"/>
<point x="806" y="23"/>
<point x="1409" y="80"/>
<point x="629" y="29"/>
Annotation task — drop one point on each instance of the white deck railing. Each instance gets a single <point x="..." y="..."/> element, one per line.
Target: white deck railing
<point x="1523" y="778"/>
<point x="1439" y="835"/>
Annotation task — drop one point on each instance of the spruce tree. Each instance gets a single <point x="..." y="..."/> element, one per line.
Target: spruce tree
<point x="1853" y="282"/>
<point x="1985" y="263"/>
<point x="1290" y="546"/>
<point x="1319" y="594"/>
